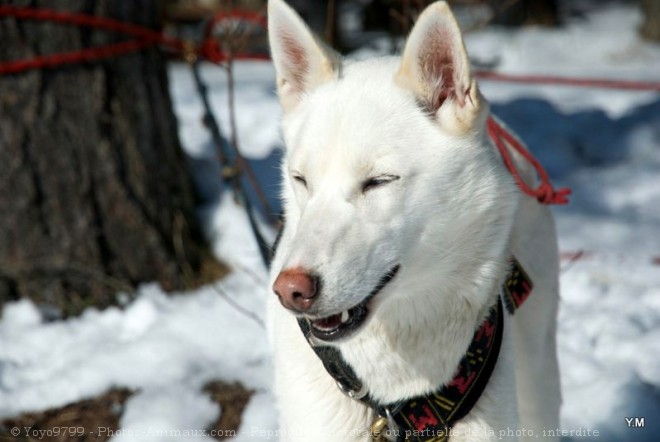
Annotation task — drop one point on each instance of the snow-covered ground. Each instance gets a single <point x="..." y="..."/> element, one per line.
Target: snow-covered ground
<point x="604" y="144"/>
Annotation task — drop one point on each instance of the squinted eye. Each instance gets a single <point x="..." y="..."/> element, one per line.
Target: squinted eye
<point x="301" y="179"/>
<point x="377" y="181"/>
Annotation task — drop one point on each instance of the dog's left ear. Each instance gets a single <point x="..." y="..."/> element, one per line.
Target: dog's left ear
<point x="302" y="62"/>
<point x="436" y="68"/>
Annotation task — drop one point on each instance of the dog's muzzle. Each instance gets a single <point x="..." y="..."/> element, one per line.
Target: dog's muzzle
<point x="341" y="325"/>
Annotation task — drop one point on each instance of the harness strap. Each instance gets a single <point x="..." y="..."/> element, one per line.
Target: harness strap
<point x="341" y="372"/>
<point x="429" y="418"/>
<point x="517" y="287"/>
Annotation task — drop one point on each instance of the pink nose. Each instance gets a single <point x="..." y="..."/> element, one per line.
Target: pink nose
<point x="296" y="288"/>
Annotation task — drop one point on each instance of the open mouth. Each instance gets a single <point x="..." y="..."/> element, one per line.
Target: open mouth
<point x="343" y="324"/>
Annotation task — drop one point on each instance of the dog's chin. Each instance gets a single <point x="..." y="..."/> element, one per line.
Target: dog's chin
<point x="345" y="324"/>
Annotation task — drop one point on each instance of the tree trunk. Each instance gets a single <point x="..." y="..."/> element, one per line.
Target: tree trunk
<point x="94" y="192"/>
<point x="526" y="12"/>
<point x="650" y="29"/>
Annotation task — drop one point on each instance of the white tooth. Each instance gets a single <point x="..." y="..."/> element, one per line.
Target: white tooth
<point x="345" y="316"/>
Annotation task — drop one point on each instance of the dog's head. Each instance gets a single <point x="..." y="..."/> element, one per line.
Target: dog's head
<point x="389" y="183"/>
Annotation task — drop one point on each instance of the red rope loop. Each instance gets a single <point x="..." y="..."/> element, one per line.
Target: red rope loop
<point x="545" y="193"/>
<point x="209" y="48"/>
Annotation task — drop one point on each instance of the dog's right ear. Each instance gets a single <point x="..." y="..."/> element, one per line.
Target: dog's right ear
<point x="301" y="62"/>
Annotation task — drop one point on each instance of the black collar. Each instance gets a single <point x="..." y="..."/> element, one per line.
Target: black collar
<point x="430" y="417"/>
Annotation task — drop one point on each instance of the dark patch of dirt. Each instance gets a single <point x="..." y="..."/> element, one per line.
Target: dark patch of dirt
<point x="77" y="422"/>
<point x="232" y="399"/>
<point x="97" y="419"/>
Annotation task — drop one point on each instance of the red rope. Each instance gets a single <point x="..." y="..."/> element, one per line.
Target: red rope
<point x="211" y="50"/>
<point x="82" y="56"/>
<point x="143" y="37"/>
<point x="544" y="193"/>
<point x="563" y="81"/>
<point x="586" y="255"/>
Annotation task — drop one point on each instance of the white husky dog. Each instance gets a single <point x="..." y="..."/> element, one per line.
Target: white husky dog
<point x="401" y="221"/>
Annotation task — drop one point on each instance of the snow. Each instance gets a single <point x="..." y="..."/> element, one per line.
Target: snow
<point x="603" y="44"/>
<point x="610" y="361"/>
<point x="156" y="414"/>
<point x="605" y="144"/>
<point x="167" y="348"/>
<point x="258" y="113"/>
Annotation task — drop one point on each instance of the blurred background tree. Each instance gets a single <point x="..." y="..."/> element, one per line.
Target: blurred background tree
<point x="651" y="25"/>
<point x="526" y="12"/>
<point x="95" y="196"/>
<point x="395" y="17"/>
<point x="338" y="21"/>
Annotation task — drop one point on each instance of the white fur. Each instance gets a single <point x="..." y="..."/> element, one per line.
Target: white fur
<point x="451" y="221"/>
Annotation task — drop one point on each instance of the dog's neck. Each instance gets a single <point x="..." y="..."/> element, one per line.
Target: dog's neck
<point x="420" y="352"/>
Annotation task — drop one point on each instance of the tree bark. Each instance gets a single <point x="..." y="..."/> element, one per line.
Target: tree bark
<point x="650" y="28"/>
<point x="527" y="12"/>
<point x="95" y="197"/>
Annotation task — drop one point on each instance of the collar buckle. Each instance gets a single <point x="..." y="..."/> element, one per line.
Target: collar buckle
<point x="384" y="428"/>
